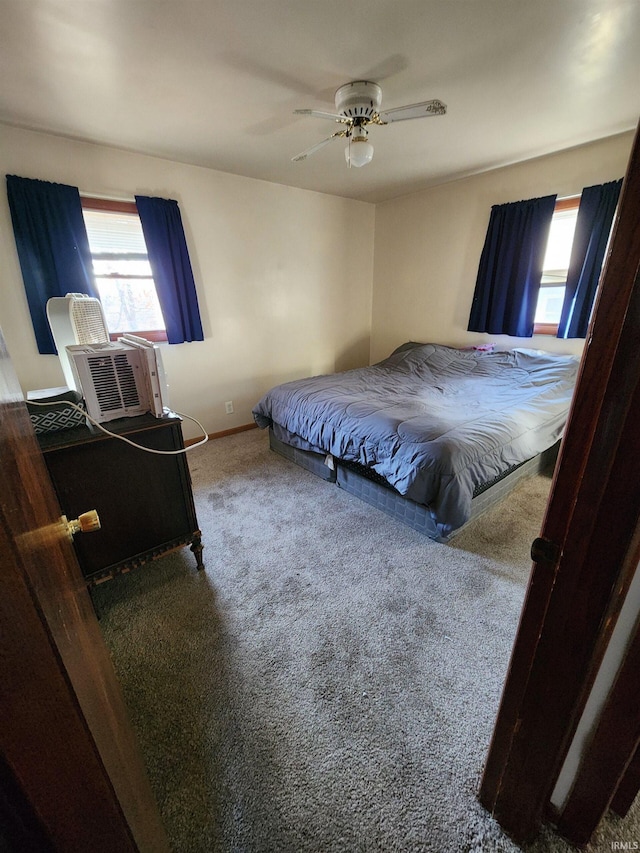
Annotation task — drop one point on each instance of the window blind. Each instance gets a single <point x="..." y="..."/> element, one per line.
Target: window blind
<point x="114" y="233"/>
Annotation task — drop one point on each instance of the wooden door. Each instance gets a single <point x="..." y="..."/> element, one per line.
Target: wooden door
<point x="589" y="547"/>
<point x="71" y="776"/>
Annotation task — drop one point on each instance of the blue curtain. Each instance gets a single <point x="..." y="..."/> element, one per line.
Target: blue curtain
<point x="593" y="226"/>
<point x="171" y="268"/>
<point x="52" y="244"/>
<point x="504" y="302"/>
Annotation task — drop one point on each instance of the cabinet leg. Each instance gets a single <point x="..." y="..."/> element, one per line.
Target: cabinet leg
<point x="197" y="547"/>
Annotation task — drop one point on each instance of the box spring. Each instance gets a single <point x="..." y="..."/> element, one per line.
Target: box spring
<point x="370" y="487"/>
<point x="307" y="459"/>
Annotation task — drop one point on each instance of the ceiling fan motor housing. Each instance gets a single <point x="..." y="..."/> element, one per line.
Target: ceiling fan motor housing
<point x="359" y="99"/>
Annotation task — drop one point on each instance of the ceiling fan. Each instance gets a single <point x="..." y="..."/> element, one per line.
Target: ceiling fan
<point x="357" y="106"/>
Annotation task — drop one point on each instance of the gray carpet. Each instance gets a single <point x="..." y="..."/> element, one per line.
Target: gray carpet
<point x="330" y="682"/>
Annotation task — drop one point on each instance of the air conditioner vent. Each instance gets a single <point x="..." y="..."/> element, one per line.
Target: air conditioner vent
<point x="114" y="382"/>
<point x="127" y="381"/>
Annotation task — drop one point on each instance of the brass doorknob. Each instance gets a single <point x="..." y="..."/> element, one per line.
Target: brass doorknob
<point x="85" y="523"/>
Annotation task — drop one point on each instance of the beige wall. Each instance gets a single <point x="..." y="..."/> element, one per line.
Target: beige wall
<point x="284" y="276"/>
<point x="428" y="245"/>
<point x="289" y="281"/>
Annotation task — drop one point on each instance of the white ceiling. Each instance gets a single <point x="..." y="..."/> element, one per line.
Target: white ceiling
<point x="215" y="82"/>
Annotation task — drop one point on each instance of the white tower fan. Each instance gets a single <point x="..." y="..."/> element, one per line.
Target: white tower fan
<point x="75" y="319"/>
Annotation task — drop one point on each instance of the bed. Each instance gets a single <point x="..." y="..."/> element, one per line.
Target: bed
<point x="431" y="434"/>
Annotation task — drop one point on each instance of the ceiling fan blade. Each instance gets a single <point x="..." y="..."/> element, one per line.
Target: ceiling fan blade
<point x="304" y="154"/>
<point x="423" y="110"/>
<point x="321" y="114"/>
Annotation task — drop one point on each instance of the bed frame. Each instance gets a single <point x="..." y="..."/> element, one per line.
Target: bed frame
<point x="369" y="486"/>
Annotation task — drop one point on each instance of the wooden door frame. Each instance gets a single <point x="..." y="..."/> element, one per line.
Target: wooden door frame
<point x="575" y="593"/>
<point x="610" y="753"/>
<point x="628" y="787"/>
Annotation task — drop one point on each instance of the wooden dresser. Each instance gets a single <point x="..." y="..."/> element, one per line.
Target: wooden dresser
<point x="144" y="500"/>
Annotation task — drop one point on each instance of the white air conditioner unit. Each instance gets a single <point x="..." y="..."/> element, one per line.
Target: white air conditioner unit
<point x="75" y="319"/>
<point x="119" y="380"/>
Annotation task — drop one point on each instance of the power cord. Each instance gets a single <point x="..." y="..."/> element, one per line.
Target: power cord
<point x="84" y="412"/>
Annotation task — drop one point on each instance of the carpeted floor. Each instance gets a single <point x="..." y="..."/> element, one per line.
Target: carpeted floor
<point x="330" y="682"/>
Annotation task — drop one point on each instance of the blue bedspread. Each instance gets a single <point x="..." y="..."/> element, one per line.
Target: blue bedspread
<point x="434" y="421"/>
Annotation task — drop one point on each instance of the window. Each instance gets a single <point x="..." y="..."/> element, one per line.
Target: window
<point x="556" y="266"/>
<point x="122" y="270"/>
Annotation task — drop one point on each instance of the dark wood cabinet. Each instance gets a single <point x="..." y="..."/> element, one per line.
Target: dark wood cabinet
<point x="144" y="500"/>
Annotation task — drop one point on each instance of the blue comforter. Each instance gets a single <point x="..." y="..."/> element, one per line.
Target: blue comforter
<point x="434" y="421"/>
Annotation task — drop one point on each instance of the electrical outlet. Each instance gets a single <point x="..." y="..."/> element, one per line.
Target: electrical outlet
<point x="228" y="407"/>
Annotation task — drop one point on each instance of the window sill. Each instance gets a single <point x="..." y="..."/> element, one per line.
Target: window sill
<point x="545" y="329"/>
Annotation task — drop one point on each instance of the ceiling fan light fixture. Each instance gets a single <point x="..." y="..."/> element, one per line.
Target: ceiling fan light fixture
<point x="359" y="151"/>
